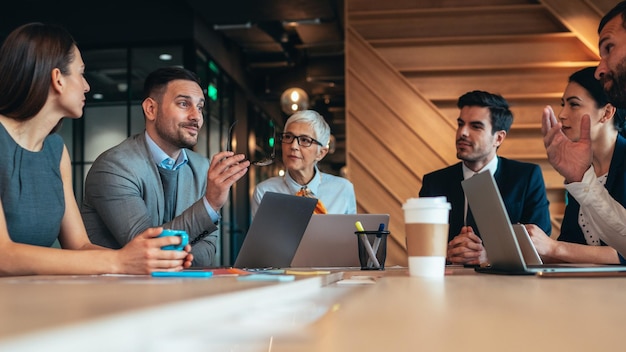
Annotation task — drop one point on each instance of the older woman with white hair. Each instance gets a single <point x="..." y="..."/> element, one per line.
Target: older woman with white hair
<point x="304" y="143"/>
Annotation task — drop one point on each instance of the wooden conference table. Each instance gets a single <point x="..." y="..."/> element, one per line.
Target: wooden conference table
<point x="463" y="311"/>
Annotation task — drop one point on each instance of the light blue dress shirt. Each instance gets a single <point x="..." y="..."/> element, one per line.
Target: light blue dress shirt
<point x="163" y="160"/>
<point x="337" y="193"/>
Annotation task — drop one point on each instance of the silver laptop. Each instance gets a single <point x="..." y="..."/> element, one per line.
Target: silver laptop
<point x="529" y="252"/>
<point x="329" y="240"/>
<point x="276" y="231"/>
<point x="502" y="246"/>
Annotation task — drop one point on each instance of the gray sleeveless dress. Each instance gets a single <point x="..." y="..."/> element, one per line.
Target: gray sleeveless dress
<point x="31" y="190"/>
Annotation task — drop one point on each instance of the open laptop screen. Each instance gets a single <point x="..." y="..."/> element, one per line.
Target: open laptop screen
<point x="276" y="231"/>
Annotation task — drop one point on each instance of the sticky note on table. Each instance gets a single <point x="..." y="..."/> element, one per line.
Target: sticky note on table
<point x="190" y="273"/>
<point x="266" y="277"/>
<point x="361" y="280"/>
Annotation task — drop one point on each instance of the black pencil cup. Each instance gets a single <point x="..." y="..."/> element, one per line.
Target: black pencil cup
<point x="372" y="249"/>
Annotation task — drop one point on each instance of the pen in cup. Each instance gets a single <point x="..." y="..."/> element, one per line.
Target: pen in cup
<point x="379" y="236"/>
<point x="366" y="244"/>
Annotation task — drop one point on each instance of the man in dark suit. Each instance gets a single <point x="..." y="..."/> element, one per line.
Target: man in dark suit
<point x="483" y="124"/>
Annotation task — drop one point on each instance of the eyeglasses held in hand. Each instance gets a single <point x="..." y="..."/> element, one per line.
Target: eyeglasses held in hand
<point x="303" y="141"/>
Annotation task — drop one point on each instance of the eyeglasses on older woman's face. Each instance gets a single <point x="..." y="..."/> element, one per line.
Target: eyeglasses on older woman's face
<point x="303" y="141"/>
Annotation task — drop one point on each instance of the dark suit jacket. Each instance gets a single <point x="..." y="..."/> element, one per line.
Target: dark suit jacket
<point x="615" y="184"/>
<point x="521" y="186"/>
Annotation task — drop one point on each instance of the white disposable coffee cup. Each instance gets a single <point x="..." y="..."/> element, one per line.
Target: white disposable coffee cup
<point x="426" y="230"/>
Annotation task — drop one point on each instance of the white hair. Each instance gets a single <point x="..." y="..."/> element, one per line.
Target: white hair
<point x="315" y="120"/>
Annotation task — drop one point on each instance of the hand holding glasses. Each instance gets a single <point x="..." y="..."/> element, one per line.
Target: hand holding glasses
<point x="269" y="159"/>
<point x="263" y="162"/>
<point x="229" y="145"/>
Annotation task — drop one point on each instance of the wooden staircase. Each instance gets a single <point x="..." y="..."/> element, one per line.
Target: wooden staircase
<point x="408" y="61"/>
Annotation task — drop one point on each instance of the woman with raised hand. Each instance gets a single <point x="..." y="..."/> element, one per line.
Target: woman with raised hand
<point x="577" y="243"/>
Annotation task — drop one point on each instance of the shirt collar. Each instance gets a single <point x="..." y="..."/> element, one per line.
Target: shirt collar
<point x="161" y="158"/>
<point x="313" y="185"/>
<point x="492" y="166"/>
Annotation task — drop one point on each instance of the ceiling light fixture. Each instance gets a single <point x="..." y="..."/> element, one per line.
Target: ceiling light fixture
<point x="234" y="26"/>
<point x="165" y="57"/>
<point x="294" y="99"/>
<point x="302" y="22"/>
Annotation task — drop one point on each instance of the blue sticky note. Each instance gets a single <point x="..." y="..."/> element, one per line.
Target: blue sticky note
<point x="190" y="273"/>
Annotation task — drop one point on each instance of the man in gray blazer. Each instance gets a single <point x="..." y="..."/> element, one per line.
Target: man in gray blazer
<point x="154" y="179"/>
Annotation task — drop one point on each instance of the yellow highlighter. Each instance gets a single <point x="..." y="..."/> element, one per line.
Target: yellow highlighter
<point x="366" y="244"/>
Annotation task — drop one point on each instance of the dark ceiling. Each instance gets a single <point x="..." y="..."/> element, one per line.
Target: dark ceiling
<point x="288" y="43"/>
<point x="283" y="43"/>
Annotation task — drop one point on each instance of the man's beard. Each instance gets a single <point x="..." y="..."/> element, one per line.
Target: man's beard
<point x="617" y="89"/>
<point x="177" y="137"/>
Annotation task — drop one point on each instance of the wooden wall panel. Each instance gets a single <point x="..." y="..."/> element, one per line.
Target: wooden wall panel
<point x="526" y="112"/>
<point x="468" y="21"/>
<point x="523" y="148"/>
<point x="396" y="96"/>
<point x="529" y="114"/>
<point x="525" y="115"/>
<point x="511" y="85"/>
<point x="402" y="181"/>
<point x="382" y="136"/>
<point x="356" y="6"/>
<point x="466" y="53"/>
<point x="601" y="6"/>
<point x="580" y="17"/>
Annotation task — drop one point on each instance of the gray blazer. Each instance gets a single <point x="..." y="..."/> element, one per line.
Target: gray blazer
<point x="124" y="196"/>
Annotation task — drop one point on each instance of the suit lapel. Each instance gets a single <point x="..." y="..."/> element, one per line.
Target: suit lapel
<point x="156" y="186"/>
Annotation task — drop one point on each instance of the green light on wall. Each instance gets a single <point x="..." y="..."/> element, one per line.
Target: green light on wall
<point x="271" y="140"/>
<point x="212" y="92"/>
<point x="213" y="67"/>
